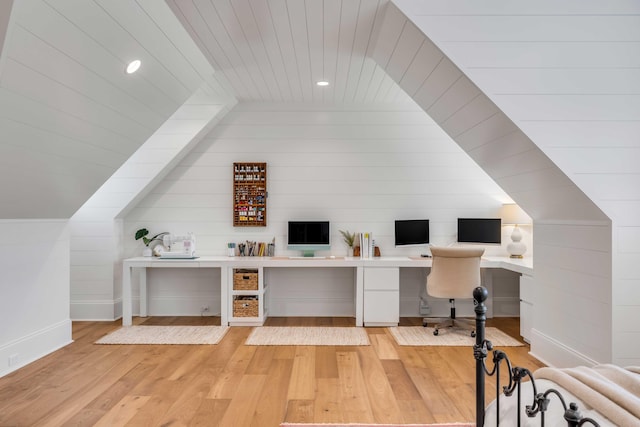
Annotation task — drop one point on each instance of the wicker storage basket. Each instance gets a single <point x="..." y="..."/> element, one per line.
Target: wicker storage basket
<point x="245" y="281"/>
<point x="245" y="307"/>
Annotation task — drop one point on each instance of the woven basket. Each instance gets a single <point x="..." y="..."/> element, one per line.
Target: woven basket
<point x="245" y="281"/>
<point x="245" y="308"/>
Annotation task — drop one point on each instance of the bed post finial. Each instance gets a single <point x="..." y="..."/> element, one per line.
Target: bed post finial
<point x="480" y="295"/>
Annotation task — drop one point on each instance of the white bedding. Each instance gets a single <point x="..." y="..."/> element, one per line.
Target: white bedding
<point x="553" y="416"/>
<point x="607" y="393"/>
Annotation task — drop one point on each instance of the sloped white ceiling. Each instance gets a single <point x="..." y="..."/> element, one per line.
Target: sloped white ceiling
<point x="567" y="73"/>
<point x="489" y="136"/>
<point x="69" y="115"/>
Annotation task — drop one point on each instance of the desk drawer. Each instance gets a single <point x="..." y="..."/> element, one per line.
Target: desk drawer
<point x="381" y="279"/>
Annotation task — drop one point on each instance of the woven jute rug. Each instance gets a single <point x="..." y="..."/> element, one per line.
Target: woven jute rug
<point x="420" y="336"/>
<point x="300" y="335"/>
<point x="165" y="335"/>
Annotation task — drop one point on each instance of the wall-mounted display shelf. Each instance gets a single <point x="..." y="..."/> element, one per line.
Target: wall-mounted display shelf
<point x="250" y="194"/>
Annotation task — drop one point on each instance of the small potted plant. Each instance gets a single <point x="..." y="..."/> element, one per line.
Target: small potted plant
<point x="349" y="239"/>
<point x="142" y="234"/>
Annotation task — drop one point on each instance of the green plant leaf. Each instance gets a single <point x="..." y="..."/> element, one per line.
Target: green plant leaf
<point x="141" y="233"/>
<point x="349" y="238"/>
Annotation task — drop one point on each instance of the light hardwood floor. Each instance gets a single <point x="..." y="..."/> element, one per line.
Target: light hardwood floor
<point x="231" y="384"/>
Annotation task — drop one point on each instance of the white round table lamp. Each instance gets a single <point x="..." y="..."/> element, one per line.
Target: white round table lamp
<point x="512" y="214"/>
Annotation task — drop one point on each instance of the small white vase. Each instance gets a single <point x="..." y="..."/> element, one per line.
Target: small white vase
<point x="147" y="251"/>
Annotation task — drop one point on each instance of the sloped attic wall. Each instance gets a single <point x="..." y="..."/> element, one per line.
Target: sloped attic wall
<point x="568" y="271"/>
<point x="567" y="74"/>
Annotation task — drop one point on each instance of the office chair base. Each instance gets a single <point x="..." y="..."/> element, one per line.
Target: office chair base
<point x="452" y="325"/>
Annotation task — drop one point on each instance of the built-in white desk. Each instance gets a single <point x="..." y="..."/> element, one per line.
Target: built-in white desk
<point x="226" y="264"/>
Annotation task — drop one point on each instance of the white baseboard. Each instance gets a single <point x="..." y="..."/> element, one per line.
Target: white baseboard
<point x="301" y="307"/>
<point x="162" y="306"/>
<point x="555" y="354"/>
<point x="103" y="310"/>
<point x="18" y="353"/>
<point x="180" y="306"/>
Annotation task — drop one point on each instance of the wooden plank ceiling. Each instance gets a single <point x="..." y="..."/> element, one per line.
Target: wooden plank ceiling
<point x="276" y="50"/>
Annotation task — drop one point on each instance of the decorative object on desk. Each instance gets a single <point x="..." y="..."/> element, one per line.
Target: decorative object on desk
<point x="142" y="234"/>
<point x="165" y="335"/>
<point x="421" y="336"/>
<point x="231" y="249"/>
<point x="512" y="214"/>
<point x="356" y="251"/>
<point x="349" y="239"/>
<point x="314" y="335"/>
<point x="159" y="249"/>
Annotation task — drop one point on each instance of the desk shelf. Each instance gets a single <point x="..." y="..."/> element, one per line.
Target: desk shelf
<point x="247" y="307"/>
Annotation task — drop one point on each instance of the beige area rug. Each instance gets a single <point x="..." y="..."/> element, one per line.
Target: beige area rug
<point x="165" y="335"/>
<point x="315" y="335"/>
<point x="418" y="335"/>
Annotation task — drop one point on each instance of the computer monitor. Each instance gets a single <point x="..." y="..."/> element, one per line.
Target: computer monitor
<point x="480" y="230"/>
<point x="412" y="232"/>
<point x="308" y="236"/>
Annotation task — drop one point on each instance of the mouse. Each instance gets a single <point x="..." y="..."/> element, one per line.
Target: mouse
<point x="332" y="256"/>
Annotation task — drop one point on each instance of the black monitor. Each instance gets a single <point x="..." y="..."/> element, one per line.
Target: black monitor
<point x="480" y="230"/>
<point x="412" y="232"/>
<point x="308" y="236"/>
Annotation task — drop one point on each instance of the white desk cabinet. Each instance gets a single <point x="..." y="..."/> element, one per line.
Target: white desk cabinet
<point x="526" y="306"/>
<point x="381" y="296"/>
<point x="247" y="304"/>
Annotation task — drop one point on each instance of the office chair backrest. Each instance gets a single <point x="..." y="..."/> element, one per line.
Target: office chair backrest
<point x="455" y="272"/>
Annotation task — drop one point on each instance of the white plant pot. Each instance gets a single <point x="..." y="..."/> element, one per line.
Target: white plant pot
<point x="147" y="251"/>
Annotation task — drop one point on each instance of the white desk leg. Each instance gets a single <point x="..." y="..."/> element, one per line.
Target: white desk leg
<point x="143" y="292"/>
<point x="126" y="294"/>
<point x="359" y="295"/>
<point x="224" y="295"/>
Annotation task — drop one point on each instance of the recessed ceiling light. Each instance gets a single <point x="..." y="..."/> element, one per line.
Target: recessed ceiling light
<point x="322" y="83"/>
<point x="133" y="66"/>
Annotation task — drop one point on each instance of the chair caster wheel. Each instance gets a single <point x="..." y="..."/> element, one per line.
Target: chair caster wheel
<point x="424" y="323"/>
<point x="435" y="332"/>
<point x="473" y="334"/>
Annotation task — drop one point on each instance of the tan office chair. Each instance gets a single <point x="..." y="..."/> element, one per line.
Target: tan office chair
<point x="455" y="273"/>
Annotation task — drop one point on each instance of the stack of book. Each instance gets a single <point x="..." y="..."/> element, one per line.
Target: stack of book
<point x="366" y="245"/>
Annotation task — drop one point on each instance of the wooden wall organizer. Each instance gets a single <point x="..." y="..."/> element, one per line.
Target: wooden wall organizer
<point x="249" y="194"/>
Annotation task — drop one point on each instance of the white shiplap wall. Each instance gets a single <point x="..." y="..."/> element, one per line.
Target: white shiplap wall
<point x="34" y="290"/>
<point x="529" y="176"/>
<point x="69" y="114"/>
<point x="566" y="73"/>
<point x="361" y="167"/>
<point x="96" y="245"/>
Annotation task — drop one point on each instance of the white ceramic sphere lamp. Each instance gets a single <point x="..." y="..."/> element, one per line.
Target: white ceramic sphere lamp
<point x="512" y="214"/>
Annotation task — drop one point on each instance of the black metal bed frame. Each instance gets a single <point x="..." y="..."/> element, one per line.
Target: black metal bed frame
<point x="540" y="401"/>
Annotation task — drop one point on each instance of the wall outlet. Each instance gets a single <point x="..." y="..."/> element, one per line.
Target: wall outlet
<point x="204" y="309"/>
<point x="424" y="309"/>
